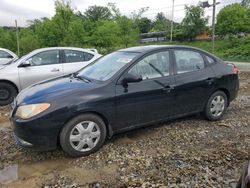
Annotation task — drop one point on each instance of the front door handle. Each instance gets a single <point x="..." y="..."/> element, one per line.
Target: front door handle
<point x="168" y="88"/>
<point x="55" y="70"/>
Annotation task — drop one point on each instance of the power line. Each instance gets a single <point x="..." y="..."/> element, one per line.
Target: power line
<point x="182" y="9"/>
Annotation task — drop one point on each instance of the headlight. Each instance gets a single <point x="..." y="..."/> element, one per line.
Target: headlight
<point x="28" y="111"/>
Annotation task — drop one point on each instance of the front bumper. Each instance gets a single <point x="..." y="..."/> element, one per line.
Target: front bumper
<point x="33" y="135"/>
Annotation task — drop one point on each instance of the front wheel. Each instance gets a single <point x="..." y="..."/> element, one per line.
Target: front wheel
<point x="216" y="106"/>
<point x="7" y="93"/>
<point x="83" y="135"/>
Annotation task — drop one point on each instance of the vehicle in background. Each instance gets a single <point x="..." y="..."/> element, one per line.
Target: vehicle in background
<point x="123" y="90"/>
<point x="38" y="65"/>
<point x="6" y="56"/>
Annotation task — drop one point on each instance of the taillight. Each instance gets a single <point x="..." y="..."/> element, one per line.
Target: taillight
<point x="236" y="70"/>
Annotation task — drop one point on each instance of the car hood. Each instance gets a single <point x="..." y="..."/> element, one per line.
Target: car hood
<point x="54" y="88"/>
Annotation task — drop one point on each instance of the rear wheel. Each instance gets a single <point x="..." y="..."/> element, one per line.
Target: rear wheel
<point x="7" y="93"/>
<point x="216" y="106"/>
<point x="83" y="135"/>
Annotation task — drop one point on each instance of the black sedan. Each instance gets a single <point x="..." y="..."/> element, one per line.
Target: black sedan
<point x="123" y="90"/>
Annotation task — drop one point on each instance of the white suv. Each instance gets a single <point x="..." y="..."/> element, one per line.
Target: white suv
<point x="41" y="64"/>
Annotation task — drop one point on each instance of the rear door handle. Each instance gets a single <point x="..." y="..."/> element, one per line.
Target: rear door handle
<point x="55" y="70"/>
<point x="168" y="88"/>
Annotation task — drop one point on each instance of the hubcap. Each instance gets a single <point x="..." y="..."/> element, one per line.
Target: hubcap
<point x="84" y="136"/>
<point x="4" y="94"/>
<point x="217" y="106"/>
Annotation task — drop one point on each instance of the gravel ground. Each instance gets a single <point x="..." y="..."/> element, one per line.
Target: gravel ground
<point x="189" y="152"/>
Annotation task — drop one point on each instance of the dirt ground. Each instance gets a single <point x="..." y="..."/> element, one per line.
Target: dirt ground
<point x="189" y="152"/>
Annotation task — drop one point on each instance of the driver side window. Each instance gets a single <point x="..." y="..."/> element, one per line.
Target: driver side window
<point x="45" y="58"/>
<point x="153" y="66"/>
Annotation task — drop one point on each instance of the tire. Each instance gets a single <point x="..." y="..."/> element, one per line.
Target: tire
<point x="7" y="93"/>
<point x="215" y="110"/>
<point x="76" y="135"/>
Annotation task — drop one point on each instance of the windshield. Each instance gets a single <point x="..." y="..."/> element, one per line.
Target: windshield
<point x="14" y="60"/>
<point x="105" y="67"/>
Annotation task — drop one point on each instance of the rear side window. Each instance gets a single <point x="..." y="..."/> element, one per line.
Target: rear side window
<point x="153" y="66"/>
<point x="4" y="54"/>
<point x="72" y="56"/>
<point x="188" y="61"/>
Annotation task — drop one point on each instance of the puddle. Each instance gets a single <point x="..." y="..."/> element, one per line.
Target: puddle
<point x="245" y="99"/>
<point x="9" y="174"/>
<point x="24" y="171"/>
<point x="4" y="125"/>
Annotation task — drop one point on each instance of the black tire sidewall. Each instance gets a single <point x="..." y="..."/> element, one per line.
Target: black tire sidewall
<point x="11" y="89"/>
<point x="208" y="113"/>
<point x="65" y="134"/>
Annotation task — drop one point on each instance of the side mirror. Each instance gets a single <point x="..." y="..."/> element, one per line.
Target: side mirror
<point x="130" y="78"/>
<point x="25" y="64"/>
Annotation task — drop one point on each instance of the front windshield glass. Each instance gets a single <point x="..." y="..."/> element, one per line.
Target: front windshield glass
<point x="13" y="60"/>
<point x="105" y="67"/>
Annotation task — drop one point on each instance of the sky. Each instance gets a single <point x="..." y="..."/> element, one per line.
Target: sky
<point x="23" y="10"/>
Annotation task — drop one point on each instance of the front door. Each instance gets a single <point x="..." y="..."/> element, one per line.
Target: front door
<point x="152" y="98"/>
<point x="43" y="65"/>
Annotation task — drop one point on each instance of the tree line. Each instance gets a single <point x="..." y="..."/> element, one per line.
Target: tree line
<point x="105" y="28"/>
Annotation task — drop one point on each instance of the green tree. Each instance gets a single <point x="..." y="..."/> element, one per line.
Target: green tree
<point x="96" y="13"/>
<point x="115" y="11"/>
<point x="161" y="23"/>
<point x="144" y="25"/>
<point x="233" y="19"/>
<point x="8" y="39"/>
<point x="28" y="41"/>
<point x="61" y="21"/>
<point x="246" y="3"/>
<point x="194" y="22"/>
<point x="128" y="31"/>
<point x="105" y="35"/>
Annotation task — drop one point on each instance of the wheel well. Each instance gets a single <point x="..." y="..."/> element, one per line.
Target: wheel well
<point x="106" y="122"/>
<point x="9" y="82"/>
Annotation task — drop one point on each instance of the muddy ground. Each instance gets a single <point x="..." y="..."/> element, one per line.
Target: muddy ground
<point x="189" y="152"/>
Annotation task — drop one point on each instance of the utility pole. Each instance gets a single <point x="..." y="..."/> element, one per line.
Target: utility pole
<point x="207" y="5"/>
<point x="17" y="39"/>
<point x="213" y="25"/>
<point x="172" y="23"/>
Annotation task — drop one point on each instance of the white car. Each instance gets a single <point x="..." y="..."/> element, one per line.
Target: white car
<point x="39" y="65"/>
<point x="6" y="55"/>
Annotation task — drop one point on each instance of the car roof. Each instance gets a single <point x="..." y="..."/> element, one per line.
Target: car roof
<point x="148" y="48"/>
<point x="65" y="48"/>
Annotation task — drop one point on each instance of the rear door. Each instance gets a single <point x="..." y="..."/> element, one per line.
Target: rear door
<point x="74" y="60"/>
<point x="43" y="65"/>
<point x="194" y="80"/>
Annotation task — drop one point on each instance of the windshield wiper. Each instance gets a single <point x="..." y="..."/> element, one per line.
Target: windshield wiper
<point x="75" y="75"/>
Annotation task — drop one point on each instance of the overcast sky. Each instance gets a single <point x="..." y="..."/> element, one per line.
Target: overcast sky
<point x="23" y="10"/>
